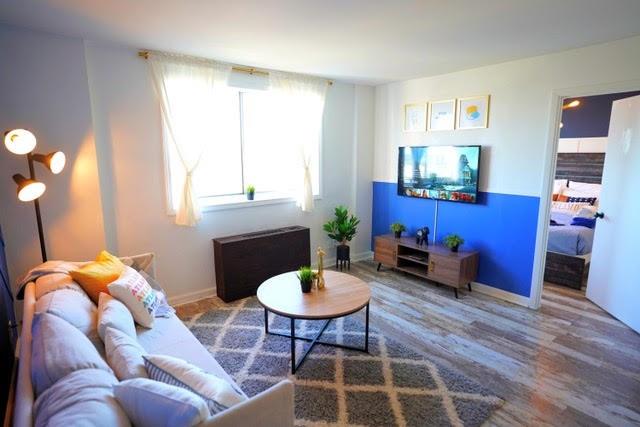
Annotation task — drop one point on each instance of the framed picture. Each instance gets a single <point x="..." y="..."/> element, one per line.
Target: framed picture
<point x="415" y="117"/>
<point x="473" y="112"/>
<point x="442" y="115"/>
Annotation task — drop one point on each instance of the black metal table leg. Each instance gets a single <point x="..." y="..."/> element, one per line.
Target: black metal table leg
<point x="366" y="330"/>
<point x="293" y="345"/>
<point x="266" y="321"/>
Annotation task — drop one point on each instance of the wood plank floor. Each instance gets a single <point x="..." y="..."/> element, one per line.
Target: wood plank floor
<point x="568" y="364"/>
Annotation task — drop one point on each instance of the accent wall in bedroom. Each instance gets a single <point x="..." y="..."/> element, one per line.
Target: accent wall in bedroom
<point x="506" y="225"/>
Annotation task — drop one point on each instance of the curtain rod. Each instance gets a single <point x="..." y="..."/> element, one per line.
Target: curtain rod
<point x="247" y="70"/>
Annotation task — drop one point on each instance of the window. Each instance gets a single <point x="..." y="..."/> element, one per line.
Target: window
<point x="248" y="149"/>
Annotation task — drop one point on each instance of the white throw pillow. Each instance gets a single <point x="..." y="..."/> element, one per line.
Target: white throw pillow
<point x="151" y="403"/>
<point x="137" y="295"/>
<point x="124" y="355"/>
<point x="57" y="349"/>
<point x="82" y="398"/>
<point x="591" y="190"/>
<point x="559" y="186"/>
<point x="114" y="314"/>
<point x="216" y="392"/>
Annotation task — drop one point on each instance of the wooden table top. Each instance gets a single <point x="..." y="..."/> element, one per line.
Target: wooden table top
<point x="343" y="294"/>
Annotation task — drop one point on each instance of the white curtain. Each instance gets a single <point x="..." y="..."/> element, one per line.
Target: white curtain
<point x="185" y="87"/>
<point x="302" y="101"/>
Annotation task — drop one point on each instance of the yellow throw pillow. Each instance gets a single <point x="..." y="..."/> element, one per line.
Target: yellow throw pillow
<point x="95" y="276"/>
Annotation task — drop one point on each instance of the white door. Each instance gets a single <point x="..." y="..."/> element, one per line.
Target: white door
<point x="614" y="276"/>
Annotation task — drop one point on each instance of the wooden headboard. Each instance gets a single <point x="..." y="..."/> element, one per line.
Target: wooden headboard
<point x="581" y="167"/>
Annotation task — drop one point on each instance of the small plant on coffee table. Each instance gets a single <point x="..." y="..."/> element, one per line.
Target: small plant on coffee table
<point x="397" y="229"/>
<point x="306" y="276"/>
<point x="453" y="242"/>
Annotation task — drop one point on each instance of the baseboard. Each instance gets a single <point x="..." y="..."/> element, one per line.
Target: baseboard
<point x="500" y="294"/>
<point x="192" y="296"/>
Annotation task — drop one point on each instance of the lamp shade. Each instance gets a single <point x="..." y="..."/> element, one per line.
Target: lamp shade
<point x="53" y="161"/>
<point x="19" y="141"/>
<point x="28" y="189"/>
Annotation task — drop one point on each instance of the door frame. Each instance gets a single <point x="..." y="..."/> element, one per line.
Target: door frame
<point x="549" y="171"/>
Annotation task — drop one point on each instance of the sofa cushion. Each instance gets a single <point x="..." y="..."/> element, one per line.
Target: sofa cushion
<point x="83" y="397"/>
<point x="95" y="276"/>
<point x="151" y="403"/>
<point x="57" y="349"/>
<point x="124" y="355"/>
<point x="114" y="314"/>
<point x="55" y="281"/>
<point x="134" y="292"/>
<point x="217" y="393"/>
<point x="73" y="306"/>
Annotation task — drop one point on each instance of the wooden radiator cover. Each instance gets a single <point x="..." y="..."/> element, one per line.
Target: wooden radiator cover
<point x="244" y="261"/>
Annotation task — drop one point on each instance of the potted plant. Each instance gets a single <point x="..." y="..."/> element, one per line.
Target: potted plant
<point x="453" y="242"/>
<point x="251" y="192"/>
<point x="306" y="276"/>
<point x="397" y="229"/>
<point x="342" y="229"/>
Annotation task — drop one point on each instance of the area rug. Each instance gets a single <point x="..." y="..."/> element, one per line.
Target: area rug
<point x="392" y="385"/>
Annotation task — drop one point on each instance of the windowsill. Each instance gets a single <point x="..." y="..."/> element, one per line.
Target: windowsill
<point x="237" y="201"/>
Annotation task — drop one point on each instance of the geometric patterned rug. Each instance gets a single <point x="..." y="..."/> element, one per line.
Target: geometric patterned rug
<point x="392" y="385"/>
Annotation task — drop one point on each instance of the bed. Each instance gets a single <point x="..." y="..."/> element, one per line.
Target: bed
<point x="578" y="176"/>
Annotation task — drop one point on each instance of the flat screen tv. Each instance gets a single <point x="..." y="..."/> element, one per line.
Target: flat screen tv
<point x="439" y="172"/>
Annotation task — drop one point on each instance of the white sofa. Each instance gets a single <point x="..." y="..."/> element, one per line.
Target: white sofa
<point x="169" y="336"/>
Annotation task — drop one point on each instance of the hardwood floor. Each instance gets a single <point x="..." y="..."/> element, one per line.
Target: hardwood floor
<point x="568" y="364"/>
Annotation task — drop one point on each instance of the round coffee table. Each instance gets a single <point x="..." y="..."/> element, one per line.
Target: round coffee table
<point x="342" y="295"/>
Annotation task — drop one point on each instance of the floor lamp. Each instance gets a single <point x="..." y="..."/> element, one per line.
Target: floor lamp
<point x="21" y="141"/>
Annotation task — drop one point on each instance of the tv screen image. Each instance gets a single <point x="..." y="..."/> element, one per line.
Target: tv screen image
<point x="439" y="172"/>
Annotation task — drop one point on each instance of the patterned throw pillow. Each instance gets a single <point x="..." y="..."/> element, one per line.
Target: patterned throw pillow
<point x="590" y="200"/>
<point x="216" y="392"/>
<point x="134" y="292"/>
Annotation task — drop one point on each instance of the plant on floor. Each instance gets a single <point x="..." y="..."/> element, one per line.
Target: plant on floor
<point x="397" y="229"/>
<point x="251" y="191"/>
<point x="453" y="242"/>
<point x="306" y="276"/>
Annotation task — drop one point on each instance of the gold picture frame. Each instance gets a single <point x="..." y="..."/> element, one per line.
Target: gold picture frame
<point x="473" y="112"/>
<point x="415" y="117"/>
<point x="441" y="115"/>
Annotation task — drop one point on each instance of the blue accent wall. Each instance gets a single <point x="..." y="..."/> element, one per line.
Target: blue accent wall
<point x="591" y="118"/>
<point x="502" y="227"/>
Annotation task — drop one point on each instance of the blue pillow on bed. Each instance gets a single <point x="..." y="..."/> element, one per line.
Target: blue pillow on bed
<point x="584" y="222"/>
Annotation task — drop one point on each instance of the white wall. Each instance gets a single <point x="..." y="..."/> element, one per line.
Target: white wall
<point x="128" y="134"/>
<point x="43" y="87"/>
<point x="521" y="97"/>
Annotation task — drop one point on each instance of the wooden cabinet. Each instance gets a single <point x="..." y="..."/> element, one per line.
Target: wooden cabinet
<point x="432" y="262"/>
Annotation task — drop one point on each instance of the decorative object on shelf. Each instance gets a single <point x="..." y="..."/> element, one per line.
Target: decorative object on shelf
<point x="21" y="142"/>
<point x="415" y="117"/>
<point x="473" y="112"/>
<point x="453" y="242"/>
<point x="306" y="276"/>
<point x="320" y="253"/>
<point x="251" y="192"/>
<point x="422" y="236"/>
<point x="342" y="229"/>
<point x="442" y="115"/>
<point x="397" y="229"/>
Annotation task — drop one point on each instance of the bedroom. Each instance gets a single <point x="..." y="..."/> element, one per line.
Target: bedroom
<point x="577" y="189"/>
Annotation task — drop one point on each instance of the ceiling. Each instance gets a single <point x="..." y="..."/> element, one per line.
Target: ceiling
<point x="363" y="41"/>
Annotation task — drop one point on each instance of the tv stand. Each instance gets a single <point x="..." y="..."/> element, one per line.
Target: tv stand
<point x="432" y="262"/>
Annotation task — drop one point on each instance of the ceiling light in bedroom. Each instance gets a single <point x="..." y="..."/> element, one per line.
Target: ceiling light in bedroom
<point x="28" y="189"/>
<point x="53" y="161"/>
<point x="19" y="141"/>
<point x="572" y="104"/>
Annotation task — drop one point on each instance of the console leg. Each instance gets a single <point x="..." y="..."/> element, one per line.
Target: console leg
<point x="455" y="291"/>
<point x="379" y="265"/>
<point x="469" y="286"/>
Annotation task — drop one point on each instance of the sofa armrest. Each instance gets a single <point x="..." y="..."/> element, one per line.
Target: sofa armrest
<point x="271" y="408"/>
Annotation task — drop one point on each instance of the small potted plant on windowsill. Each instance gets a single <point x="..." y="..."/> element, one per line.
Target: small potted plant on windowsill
<point x="251" y="192"/>
<point x="306" y="276"/>
<point x="453" y="242"/>
<point x="397" y="229"/>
